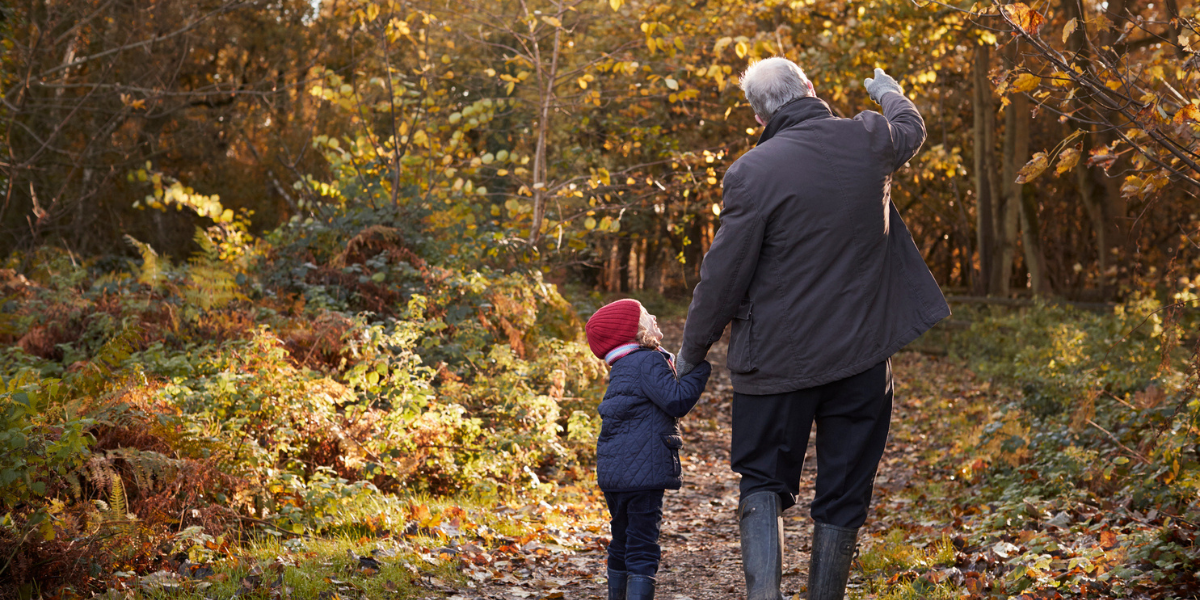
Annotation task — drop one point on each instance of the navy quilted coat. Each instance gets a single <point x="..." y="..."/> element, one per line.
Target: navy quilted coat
<point x="640" y="440"/>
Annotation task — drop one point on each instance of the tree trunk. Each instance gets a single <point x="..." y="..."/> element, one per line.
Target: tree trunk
<point x="1031" y="240"/>
<point x="641" y="264"/>
<point x="1031" y="233"/>
<point x="1085" y="176"/>
<point x="1007" y="211"/>
<point x="614" y="266"/>
<point x="546" y="84"/>
<point x="984" y="126"/>
<point x="1095" y="210"/>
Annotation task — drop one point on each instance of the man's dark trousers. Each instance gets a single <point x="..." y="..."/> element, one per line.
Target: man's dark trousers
<point x="770" y="436"/>
<point x="636" y="520"/>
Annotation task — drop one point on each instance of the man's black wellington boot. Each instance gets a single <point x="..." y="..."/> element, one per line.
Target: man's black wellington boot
<point x="617" y="580"/>
<point x="641" y="587"/>
<point x="760" y="518"/>
<point x="832" y="553"/>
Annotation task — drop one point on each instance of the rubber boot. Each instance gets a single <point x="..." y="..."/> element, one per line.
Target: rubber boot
<point x="641" y="587"/>
<point x="832" y="553"/>
<point x="760" y="519"/>
<point x="617" y="580"/>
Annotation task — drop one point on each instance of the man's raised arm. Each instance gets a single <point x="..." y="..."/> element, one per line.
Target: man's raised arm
<point x="906" y="124"/>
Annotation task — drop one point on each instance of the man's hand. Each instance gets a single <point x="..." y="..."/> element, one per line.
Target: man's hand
<point x="682" y="367"/>
<point x="880" y="85"/>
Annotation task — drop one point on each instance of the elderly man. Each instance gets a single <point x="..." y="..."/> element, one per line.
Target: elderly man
<point x="823" y="283"/>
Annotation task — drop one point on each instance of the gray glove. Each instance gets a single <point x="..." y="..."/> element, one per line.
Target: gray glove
<point x="880" y="85"/>
<point x="682" y="367"/>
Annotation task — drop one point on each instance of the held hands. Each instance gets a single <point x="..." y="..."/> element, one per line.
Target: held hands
<point x="880" y="85"/>
<point x="682" y="367"/>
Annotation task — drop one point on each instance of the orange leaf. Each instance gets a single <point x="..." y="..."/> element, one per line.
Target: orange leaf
<point x="1033" y="168"/>
<point x="1189" y="112"/>
<point x="1030" y="21"/>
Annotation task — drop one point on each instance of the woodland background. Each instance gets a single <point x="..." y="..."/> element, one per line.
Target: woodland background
<point x="280" y="267"/>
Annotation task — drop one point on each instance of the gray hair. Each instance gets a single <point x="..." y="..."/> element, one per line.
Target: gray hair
<point x="773" y="82"/>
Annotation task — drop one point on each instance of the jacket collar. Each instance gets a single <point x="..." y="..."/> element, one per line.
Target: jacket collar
<point x="794" y="113"/>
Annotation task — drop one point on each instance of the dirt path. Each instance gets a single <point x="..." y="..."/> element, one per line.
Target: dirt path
<point x="701" y="556"/>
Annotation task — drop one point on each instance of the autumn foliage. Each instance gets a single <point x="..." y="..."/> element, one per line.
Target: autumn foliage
<point x="269" y="264"/>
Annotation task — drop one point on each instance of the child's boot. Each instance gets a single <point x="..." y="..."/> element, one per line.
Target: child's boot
<point x="641" y="587"/>
<point x="617" y="580"/>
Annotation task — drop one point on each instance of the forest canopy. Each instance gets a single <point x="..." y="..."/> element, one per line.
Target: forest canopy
<point x="592" y="136"/>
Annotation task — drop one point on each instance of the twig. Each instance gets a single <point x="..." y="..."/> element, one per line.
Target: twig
<point x="1112" y="437"/>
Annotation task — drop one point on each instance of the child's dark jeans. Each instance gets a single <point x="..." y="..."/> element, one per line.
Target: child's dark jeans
<point x="636" y="518"/>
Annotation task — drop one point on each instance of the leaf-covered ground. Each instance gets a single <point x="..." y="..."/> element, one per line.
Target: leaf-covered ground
<point x="701" y="557"/>
<point x="940" y="526"/>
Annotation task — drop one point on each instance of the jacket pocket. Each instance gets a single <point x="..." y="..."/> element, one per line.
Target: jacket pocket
<point x="741" y="340"/>
<point x="673" y="444"/>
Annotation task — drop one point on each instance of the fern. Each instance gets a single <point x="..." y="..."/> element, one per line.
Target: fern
<point x="150" y="470"/>
<point x="112" y="516"/>
<point x="104" y="370"/>
<point x="211" y="283"/>
<point x="153" y="267"/>
<point x="117" y="502"/>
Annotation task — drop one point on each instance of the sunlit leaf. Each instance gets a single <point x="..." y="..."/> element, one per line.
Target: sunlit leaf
<point x="1033" y="168"/>
<point x="1068" y="29"/>
<point x="1024" y="17"/>
<point x="1026" y="82"/>
<point x="1067" y="159"/>
<point x="1189" y="112"/>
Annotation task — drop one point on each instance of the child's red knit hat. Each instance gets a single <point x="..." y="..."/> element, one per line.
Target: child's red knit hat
<point x="614" y="324"/>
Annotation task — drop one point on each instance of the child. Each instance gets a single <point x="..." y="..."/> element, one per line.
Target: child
<point x="637" y="455"/>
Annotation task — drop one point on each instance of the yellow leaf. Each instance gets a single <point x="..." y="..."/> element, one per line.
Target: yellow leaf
<point x="552" y="21"/>
<point x="372" y="12"/>
<point x="616" y="4"/>
<point x="671" y="83"/>
<point x="741" y="49"/>
<point x="722" y="44"/>
<point x="1189" y="112"/>
<point x="589" y="223"/>
<point x="1033" y="168"/>
<point x="1067" y="160"/>
<point x="1026" y="82"/>
<point x="1113" y="84"/>
<point x="1069" y="29"/>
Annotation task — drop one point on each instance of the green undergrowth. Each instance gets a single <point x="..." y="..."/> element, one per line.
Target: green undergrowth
<point x="897" y="567"/>
<point x="1070" y="467"/>
<point x="275" y="386"/>
<point x="390" y="547"/>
